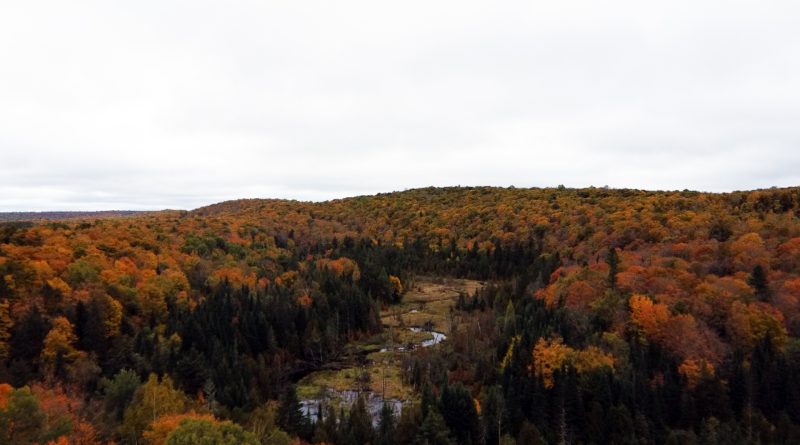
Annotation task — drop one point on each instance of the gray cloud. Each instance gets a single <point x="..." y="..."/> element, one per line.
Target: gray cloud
<point x="179" y="104"/>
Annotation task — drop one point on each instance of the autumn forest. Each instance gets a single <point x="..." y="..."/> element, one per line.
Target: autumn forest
<point x="461" y="315"/>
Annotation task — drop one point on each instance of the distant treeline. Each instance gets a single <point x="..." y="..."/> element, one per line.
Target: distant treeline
<point x="55" y="216"/>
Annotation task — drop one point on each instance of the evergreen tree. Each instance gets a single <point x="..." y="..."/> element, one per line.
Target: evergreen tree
<point x="428" y="400"/>
<point x="359" y="423"/>
<point x="433" y="430"/>
<point x="509" y="322"/>
<point x="458" y="411"/>
<point x="326" y="431"/>
<point x="621" y="425"/>
<point x="758" y="279"/>
<point x="290" y="414"/>
<point x="118" y="392"/>
<point x="27" y="342"/>
<point x="529" y="435"/>
<point x="21" y="419"/>
<point x="612" y="259"/>
<point x="386" y="426"/>
<point x="493" y="415"/>
<point x="6" y="323"/>
<point x="408" y="425"/>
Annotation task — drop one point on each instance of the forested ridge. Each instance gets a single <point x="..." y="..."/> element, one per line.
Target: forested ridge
<point x="53" y="216"/>
<point x="607" y="316"/>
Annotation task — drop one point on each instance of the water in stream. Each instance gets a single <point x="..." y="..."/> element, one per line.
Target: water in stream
<point x="374" y="401"/>
<point x="438" y="337"/>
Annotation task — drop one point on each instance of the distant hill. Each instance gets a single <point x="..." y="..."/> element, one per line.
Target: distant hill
<point x="55" y="216"/>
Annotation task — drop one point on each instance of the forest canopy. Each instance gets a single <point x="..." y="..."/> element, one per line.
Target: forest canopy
<point x="604" y="316"/>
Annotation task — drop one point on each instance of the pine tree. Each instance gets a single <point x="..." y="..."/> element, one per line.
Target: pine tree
<point x="408" y="425"/>
<point x="493" y="414"/>
<point x="458" y="411"/>
<point x="758" y="279"/>
<point x="386" y="426"/>
<point x="359" y="423"/>
<point x="6" y="323"/>
<point x="530" y="435"/>
<point x="433" y="430"/>
<point x="290" y="414"/>
<point x="118" y="392"/>
<point x="612" y="259"/>
<point x="509" y="322"/>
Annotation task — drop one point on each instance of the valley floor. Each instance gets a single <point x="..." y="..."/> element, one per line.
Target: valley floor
<point x="373" y="370"/>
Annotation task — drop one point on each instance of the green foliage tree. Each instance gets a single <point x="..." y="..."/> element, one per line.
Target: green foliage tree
<point x="433" y="430"/>
<point x="205" y="432"/>
<point x="152" y="399"/>
<point x="263" y="424"/>
<point x="83" y="271"/>
<point x="118" y="392"/>
<point x="22" y="420"/>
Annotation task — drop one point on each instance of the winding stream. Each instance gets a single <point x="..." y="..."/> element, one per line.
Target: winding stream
<point x="374" y="401"/>
<point x="438" y="337"/>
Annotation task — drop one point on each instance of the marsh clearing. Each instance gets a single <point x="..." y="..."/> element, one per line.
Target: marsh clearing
<point x="422" y="319"/>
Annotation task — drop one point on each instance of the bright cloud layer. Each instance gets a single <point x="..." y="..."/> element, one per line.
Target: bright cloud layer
<point x="144" y="105"/>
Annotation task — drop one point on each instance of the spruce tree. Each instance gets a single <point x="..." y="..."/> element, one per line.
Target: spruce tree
<point x="758" y="279"/>
<point x="386" y="426"/>
<point x="612" y="259"/>
<point x="290" y="414"/>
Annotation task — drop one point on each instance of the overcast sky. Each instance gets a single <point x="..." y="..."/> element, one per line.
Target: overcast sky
<point x="164" y="104"/>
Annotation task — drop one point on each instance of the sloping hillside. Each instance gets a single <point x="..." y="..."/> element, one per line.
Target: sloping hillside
<point x="607" y="314"/>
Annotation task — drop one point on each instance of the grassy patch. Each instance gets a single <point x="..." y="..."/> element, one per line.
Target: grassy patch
<point x="428" y="301"/>
<point x="382" y="375"/>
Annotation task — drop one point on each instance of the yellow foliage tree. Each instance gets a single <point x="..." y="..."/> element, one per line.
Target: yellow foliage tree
<point x="6" y="323"/>
<point x="153" y="399"/>
<point x="397" y="286"/>
<point x="552" y="355"/>
<point x="59" y="344"/>
<point x="509" y="352"/>
<point x="748" y="251"/>
<point x="749" y="323"/>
